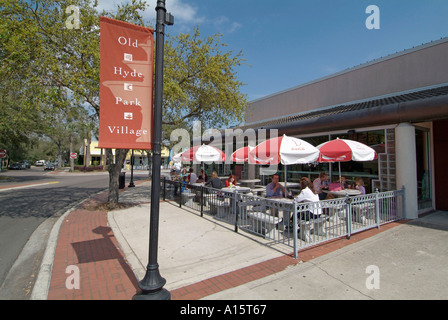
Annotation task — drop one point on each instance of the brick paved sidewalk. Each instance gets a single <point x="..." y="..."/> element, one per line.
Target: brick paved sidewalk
<point x="87" y="242"/>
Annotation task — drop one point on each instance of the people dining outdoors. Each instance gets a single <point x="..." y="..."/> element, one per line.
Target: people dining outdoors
<point x="231" y="181"/>
<point x="308" y="194"/>
<point x="214" y="182"/>
<point x="275" y="189"/>
<point x="184" y="186"/>
<point x="202" y="177"/>
<point x="320" y="184"/>
<point x="192" y="177"/>
<point x="360" y="185"/>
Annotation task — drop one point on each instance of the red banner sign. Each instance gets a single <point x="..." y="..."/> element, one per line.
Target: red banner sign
<point x="126" y="85"/>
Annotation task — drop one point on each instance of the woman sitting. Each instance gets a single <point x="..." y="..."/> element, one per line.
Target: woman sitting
<point x="231" y="181"/>
<point x="215" y="182"/>
<point x="360" y="185"/>
<point x="307" y="194"/>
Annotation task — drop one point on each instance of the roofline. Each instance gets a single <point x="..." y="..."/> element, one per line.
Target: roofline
<point x="361" y="66"/>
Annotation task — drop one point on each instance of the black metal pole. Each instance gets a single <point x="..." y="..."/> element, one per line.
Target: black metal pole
<point x="152" y="284"/>
<point x="131" y="183"/>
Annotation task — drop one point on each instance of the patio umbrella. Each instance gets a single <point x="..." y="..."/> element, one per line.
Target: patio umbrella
<point x="342" y="150"/>
<point x="286" y="150"/>
<point x="242" y="154"/>
<point x="204" y="153"/>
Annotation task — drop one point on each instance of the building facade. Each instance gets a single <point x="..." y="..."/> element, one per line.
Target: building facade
<point x="397" y="104"/>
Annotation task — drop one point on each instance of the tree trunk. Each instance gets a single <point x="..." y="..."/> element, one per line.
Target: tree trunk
<point x="114" y="169"/>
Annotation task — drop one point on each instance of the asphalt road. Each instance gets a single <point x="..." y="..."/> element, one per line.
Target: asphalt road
<point x="32" y="202"/>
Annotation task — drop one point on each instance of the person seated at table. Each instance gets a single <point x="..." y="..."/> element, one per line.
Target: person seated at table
<point x="231" y="180"/>
<point x="202" y="177"/>
<point x="308" y="194"/>
<point x="275" y="189"/>
<point x="321" y="184"/>
<point x="215" y="182"/>
<point x="192" y="177"/>
<point x="184" y="186"/>
<point x="341" y="184"/>
<point x="175" y="177"/>
<point x="360" y="185"/>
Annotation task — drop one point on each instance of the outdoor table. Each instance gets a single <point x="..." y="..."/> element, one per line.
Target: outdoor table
<point x="285" y="214"/>
<point x="198" y="184"/>
<point x="290" y="184"/>
<point x="343" y="193"/>
<point x="236" y="188"/>
<point x="250" y="182"/>
<point x="257" y="191"/>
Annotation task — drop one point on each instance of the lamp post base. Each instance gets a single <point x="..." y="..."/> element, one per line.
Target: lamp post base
<point x="162" y="294"/>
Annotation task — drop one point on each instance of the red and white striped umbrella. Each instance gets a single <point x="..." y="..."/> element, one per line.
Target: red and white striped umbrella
<point x="284" y="149"/>
<point x="204" y="153"/>
<point x="341" y="150"/>
<point x="242" y="154"/>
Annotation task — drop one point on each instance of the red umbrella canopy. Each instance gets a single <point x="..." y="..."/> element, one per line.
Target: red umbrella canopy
<point x="267" y="152"/>
<point x="242" y="154"/>
<point x="284" y="149"/>
<point x="341" y="150"/>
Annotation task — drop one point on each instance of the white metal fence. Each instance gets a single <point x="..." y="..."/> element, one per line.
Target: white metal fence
<point x="298" y="225"/>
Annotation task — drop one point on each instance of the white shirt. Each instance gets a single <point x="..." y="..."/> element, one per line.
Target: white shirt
<point x="306" y="195"/>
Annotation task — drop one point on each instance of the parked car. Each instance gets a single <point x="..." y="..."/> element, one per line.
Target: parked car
<point x="25" y="163"/>
<point x="49" y="166"/>
<point x="15" y="166"/>
<point x="39" y="163"/>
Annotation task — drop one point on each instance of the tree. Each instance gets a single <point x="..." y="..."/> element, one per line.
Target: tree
<point x="46" y="61"/>
<point x="200" y="83"/>
<point x="51" y="57"/>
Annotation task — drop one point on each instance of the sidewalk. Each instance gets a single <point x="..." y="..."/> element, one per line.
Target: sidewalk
<point x="200" y="258"/>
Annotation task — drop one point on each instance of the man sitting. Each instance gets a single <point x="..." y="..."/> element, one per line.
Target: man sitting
<point x="275" y="189"/>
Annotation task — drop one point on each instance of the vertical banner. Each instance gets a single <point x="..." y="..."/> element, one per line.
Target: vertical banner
<point x="126" y="85"/>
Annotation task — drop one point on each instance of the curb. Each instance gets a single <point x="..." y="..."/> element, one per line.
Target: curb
<point x="42" y="284"/>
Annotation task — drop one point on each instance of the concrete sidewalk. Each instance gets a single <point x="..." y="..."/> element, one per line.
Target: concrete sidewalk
<point x="204" y="258"/>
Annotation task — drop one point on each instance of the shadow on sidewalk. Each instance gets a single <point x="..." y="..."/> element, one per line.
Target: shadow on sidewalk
<point x="101" y="250"/>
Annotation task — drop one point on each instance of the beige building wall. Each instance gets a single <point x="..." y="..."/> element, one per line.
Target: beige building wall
<point x="423" y="66"/>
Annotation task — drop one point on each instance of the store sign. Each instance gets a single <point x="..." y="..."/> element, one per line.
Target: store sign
<point x="126" y="85"/>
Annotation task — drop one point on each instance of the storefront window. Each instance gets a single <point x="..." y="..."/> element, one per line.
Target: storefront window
<point x="368" y="170"/>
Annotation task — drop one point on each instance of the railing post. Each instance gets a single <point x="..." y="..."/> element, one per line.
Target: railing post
<point x="377" y="208"/>
<point x="237" y="212"/>
<point x="202" y="201"/>
<point x="348" y="214"/>
<point x="164" y="188"/>
<point x="403" y="200"/>
<point x="294" y="230"/>
<point x="180" y="194"/>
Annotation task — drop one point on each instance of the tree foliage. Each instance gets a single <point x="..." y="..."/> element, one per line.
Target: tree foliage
<point x="201" y="83"/>
<point x="48" y="69"/>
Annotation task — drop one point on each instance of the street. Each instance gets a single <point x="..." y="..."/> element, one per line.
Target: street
<point x="32" y="200"/>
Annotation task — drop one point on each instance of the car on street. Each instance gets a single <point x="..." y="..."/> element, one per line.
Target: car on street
<point x="15" y="166"/>
<point x="39" y="163"/>
<point x="49" y="166"/>
<point x="25" y="163"/>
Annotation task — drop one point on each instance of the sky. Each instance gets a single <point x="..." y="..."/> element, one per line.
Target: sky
<point x="291" y="42"/>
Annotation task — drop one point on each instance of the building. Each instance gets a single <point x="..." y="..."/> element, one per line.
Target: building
<point x="397" y="104"/>
<point x="141" y="160"/>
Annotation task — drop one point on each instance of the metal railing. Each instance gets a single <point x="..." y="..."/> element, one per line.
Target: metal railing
<point x="274" y="219"/>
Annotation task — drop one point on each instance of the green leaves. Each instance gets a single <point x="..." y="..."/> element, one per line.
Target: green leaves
<point x="201" y="82"/>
